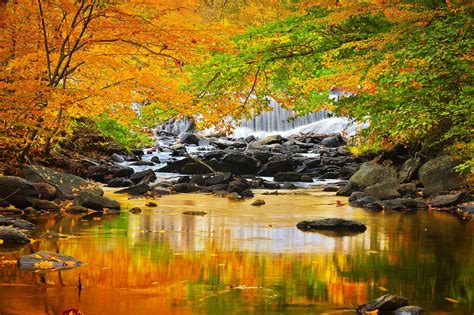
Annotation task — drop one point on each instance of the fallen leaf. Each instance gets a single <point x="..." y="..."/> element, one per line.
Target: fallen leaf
<point x="382" y="289"/>
<point x="451" y="300"/>
<point x="1" y="241"/>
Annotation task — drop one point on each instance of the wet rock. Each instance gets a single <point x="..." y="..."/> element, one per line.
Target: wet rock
<point x="292" y="177"/>
<point x="92" y="201"/>
<point x="188" y="138"/>
<point x="387" y="302"/>
<point x="135" y="190"/>
<point x="16" y="223"/>
<point x="220" y="178"/>
<point x="17" y="191"/>
<point x="271" y="140"/>
<point x="47" y="261"/>
<point x="247" y="193"/>
<point x="120" y="171"/>
<point x="402" y="204"/>
<point x="13" y="211"/>
<point x="216" y="154"/>
<point x="331" y="189"/>
<point x="330" y="175"/>
<point x="185" y="188"/>
<point x="348" y="189"/>
<point x="362" y="202"/>
<point x="143" y="163"/>
<point x="237" y="186"/>
<point x="67" y="185"/>
<point x="151" y="204"/>
<point x="245" y="163"/>
<point x="77" y="209"/>
<point x="409" y="310"/>
<point x="119" y="182"/>
<point x="12" y="236"/>
<point x="195" y="168"/>
<point x="117" y="158"/>
<point x="146" y="176"/>
<point x="135" y="210"/>
<point x="258" y="202"/>
<point x="47" y="205"/>
<point x="332" y="224"/>
<point x="138" y="152"/>
<point x="199" y="213"/>
<point x="199" y="180"/>
<point x="161" y="191"/>
<point x="409" y="169"/>
<point x="371" y="173"/>
<point x="203" y="142"/>
<point x="46" y="191"/>
<point x="156" y="160"/>
<point x="176" y="166"/>
<point x="385" y="190"/>
<point x="278" y="164"/>
<point x="448" y="200"/>
<point x="333" y="142"/>
<point x="438" y="175"/>
<point x="356" y="195"/>
<point x="467" y="207"/>
<point x="234" y="196"/>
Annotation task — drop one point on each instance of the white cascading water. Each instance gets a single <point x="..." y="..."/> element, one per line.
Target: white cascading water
<point x="281" y="121"/>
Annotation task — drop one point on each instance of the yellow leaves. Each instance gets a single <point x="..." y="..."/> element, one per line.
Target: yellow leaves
<point x="44" y="264"/>
<point x="1" y="241"/>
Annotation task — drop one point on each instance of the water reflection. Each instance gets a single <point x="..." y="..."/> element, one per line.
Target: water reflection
<point x="242" y="259"/>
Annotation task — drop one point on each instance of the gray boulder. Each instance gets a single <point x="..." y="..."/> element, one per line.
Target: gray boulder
<point x="17" y="191"/>
<point x="67" y="186"/>
<point x="188" y="138"/>
<point x="385" y="190"/>
<point x="408" y="170"/>
<point x="438" y="175"/>
<point x="12" y="236"/>
<point x="371" y="173"/>
<point x="135" y="190"/>
<point x="44" y="261"/>
<point x="387" y="302"/>
<point x="96" y="202"/>
<point x="448" y="200"/>
<point x="146" y="176"/>
<point x="332" y="224"/>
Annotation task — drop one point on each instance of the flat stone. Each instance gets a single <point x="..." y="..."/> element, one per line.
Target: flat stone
<point x="447" y="200"/>
<point x="12" y="236"/>
<point x="92" y="201"/>
<point x="258" y="202"/>
<point x="135" y="190"/>
<point x="47" y="261"/>
<point x="387" y="302"/>
<point x="332" y="224"/>
<point x="16" y="223"/>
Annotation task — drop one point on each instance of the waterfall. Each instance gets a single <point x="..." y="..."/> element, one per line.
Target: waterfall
<point x="280" y="119"/>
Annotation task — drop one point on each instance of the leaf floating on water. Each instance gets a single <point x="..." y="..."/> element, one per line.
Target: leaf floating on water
<point x="162" y="231"/>
<point x="44" y="264"/>
<point x="1" y="241"/>
<point x="382" y="289"/>
<point x="451" y="300"/>
<point x="372" y="312"/>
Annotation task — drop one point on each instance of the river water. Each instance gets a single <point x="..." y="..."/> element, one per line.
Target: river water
<point x="240" y="259"/>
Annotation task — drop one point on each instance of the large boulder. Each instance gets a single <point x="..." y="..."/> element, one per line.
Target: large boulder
<point x="371" y="173"/>
<point x="384" y="190"/>
<point x="46" y="205"/>
<point x="438" y="175"/>
<point x="17" y="191"/>
<point x="188" y="138"/>
<point x="408" y="170"/>
<point x="90" y="200"/>
<point x="146" y="176"/>
<point x="271" y="140"/>
<point x="16" y="223"/>
<point x="135" y="190"/>
<point x="387" y="302"/>
<point x="333" y="141"/>
<point x="44" y="260"/>
<point x="46" y="191"/>
<point x="67" y="186"/>
<point x="448" y="200"/>
<point x="12" y="236"/>
<point x="292" y="177"/>
<point x="332" y="224"/>
<point x="278" y="164"/>
<point x="246" y="164"/>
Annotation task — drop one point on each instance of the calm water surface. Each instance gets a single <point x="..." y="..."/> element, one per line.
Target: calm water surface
<point x="240" y="259"/>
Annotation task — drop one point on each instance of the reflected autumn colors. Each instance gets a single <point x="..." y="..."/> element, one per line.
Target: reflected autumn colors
<point x="243" y="259"/>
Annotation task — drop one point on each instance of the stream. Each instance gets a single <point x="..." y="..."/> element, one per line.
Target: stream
<point x="241" y="259"/>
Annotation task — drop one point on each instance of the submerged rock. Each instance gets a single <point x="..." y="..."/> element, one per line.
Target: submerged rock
<point x="332" y="224"/>
<point x="200" y="213"/>
<point x="12" y="236"/>
<point x="47" y="261"/>
<point x="16" y="223"/>
<point x="387" y="302"/>
<point x="258" y="202"/>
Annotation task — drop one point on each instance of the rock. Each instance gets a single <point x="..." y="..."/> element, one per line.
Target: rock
<point x="46" y="191"/>
<point x="143" y="163"/>
<point x="195" y="168"/>
<point x="332" y="224"/>
<point x="330" y="175"/>
<point x="47" y="205"/>
<point x="271" y="140"/>
<point x="185" y="179"/>
<point x="245" y="163"/>
<point x="4" y="203"/>
<point x="258" y="202"/>
<point x="17" y="191"/>
<point x="292" y="177"/>
<point x="200" y="213"/>
<point x="401" y="204"/>
<point x="448" y="200"/>
<point x="237" y="186"/>
<point x="138" y="152"/>
<point x="235" y="196"/>
<point x="348" y="189"/>
<point x="161" y="191"/>
<point x="371" y="173"/>
<point x="67" y="185"/>
<point x="331" y="188"/>
<point x="135" y="190"/>
<point x="155" y="159"/>
<point x="188" y="138"/>
<point x="408" y="170"/>
<point x="146" y="176"/>
<point x="408" y="189"/>
<point x="384" y="190"/>
<point x="247" y="193"/>
<point x="135" y="210"/>
<point x="203" y="142"/>
<point x="196" y="179"/>
<point x="362" y="202"/>
<point x="215" y="154"/>
<point x="219" y="178"/>
<point x="278" y="164"/>
<point x="151" y="204"/>
<point x="438" y="175"/>
<point x="97" y="177"/>
<point x="117" y="158"/>
<point x="44" y="261"/>
<point x="16" y="223"/>
<point x="77" y="209"/>
<point x="250" y="138"/>
<point x="116" y="171"/>
<point x="387" y="302"/>
<point x="12" y="236"/>
<point x="176" y="166"/>
<point x="333" y="141"/>
<point x="92" y="201"/>
<point x="356" y="195"/>
<point x="119" y="182"/>
<point x="185" y="188"/>
<point x="409" y="310"/>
